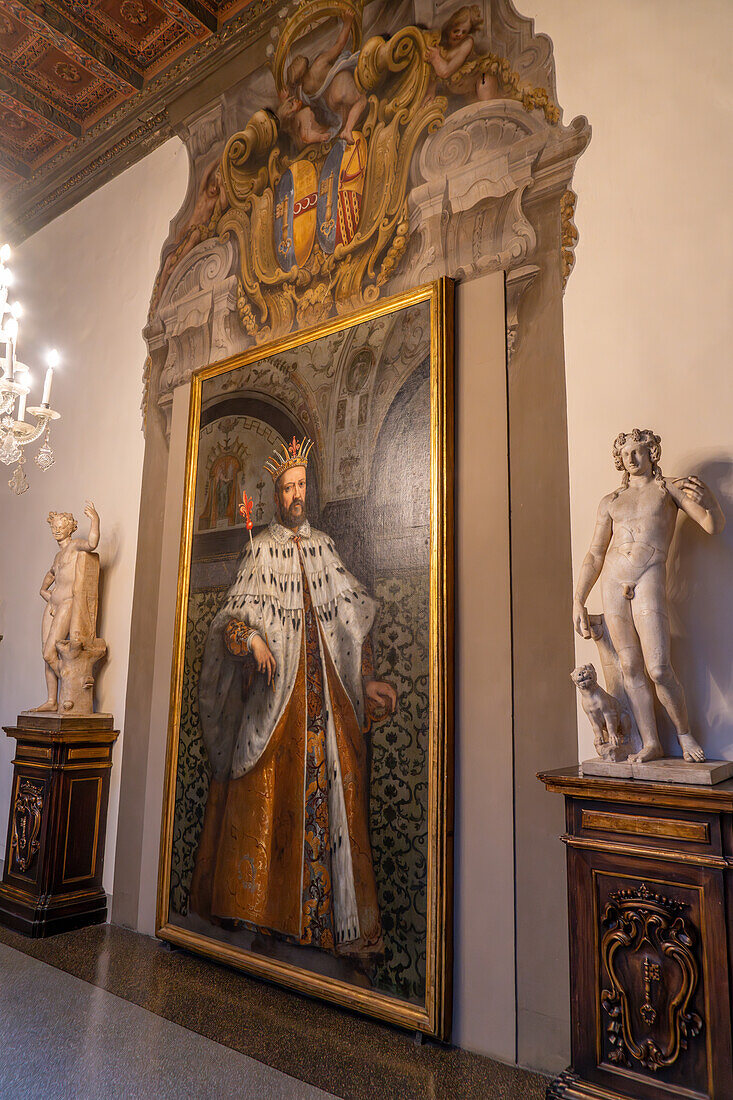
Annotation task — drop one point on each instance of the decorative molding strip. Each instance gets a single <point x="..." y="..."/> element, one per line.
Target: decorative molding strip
<point x="720" y="863"/>
<point x="150" y="126"/>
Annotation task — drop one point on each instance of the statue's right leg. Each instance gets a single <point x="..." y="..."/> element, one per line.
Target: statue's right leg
<point x="626" y="642"/>
<point x="54" y="627"/>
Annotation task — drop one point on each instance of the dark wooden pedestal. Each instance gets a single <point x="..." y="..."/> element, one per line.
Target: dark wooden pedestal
<point x="58" y="815"/>
<point x="650" y="892"/>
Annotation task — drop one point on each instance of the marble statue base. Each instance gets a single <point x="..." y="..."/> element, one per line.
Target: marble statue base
<point x="670" y="769"/>
<point x="54" y="856"/>
<point x="60" y="720"/>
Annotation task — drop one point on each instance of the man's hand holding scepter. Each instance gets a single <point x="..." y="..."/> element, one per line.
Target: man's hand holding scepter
<point x="260" y="650"/>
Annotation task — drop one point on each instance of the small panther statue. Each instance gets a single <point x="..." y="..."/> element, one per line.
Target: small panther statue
<point x="611" y="721"/>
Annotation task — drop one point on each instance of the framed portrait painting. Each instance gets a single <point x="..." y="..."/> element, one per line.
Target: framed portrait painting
<point x="307" y="818"/>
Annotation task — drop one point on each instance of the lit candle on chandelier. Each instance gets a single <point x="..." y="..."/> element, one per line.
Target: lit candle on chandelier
<point x="53" y="359"/>
<point x="11" y="331"/>
<point x="23" y="396"/>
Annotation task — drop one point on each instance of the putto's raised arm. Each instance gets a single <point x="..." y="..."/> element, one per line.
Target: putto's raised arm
<point x="330" y="55"/>
<point x="92" y="542"/>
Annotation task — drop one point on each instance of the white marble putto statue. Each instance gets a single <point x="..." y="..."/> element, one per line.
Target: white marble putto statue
<point x="71" y="648"/>
<point x="628" y="552"/>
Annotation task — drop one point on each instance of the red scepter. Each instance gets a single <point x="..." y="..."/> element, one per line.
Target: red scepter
<point x="245" y="509"/>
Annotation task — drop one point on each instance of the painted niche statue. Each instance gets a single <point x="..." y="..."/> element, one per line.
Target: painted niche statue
<point x="633" y="533"/>
<point x="287" y="695"/>
<point x="71" y="647"/>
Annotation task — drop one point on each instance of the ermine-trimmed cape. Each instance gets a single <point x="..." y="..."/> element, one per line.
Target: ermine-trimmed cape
<point x="236" y="727"/>
<point x="240" y="711"/>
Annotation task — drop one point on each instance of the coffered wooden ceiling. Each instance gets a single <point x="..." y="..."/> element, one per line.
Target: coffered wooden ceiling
<point x="86" y="88"/>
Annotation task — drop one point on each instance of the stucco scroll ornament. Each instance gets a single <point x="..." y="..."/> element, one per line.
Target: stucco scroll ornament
<point x="568" y="234"/>
<point x="71" y="648"/>
<point x="628" y="553"/>
<point x="647" y="951"/>
<point x="319" y="210"/>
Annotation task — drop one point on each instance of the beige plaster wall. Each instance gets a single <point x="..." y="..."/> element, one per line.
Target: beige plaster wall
<point x="85" y="284"/>
<point x="648" y="319"/>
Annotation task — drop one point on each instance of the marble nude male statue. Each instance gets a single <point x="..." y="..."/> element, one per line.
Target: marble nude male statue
<point x="71" y="598"/>
<point x="286" y="698"/>
<point x="633" y="533"/>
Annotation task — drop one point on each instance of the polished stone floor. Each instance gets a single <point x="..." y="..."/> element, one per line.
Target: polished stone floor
<point x="105" y="1013"/>
<point x="63" y="1038"/>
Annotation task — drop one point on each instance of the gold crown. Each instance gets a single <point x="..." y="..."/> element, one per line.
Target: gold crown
<point x="296" y="454"/>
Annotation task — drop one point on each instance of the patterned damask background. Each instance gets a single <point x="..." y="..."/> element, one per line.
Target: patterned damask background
<point x="193" y="774"/>
<point x="399" y="784"/>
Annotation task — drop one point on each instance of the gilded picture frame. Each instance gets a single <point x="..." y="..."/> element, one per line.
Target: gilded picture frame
<point x="373" y="392"/>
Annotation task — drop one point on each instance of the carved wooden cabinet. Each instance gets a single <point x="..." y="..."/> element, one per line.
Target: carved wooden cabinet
<point x="650" y="892"/>
<point x="54" y="855"/>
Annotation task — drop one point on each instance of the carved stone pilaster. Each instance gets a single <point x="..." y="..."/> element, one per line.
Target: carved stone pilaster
<point x="196" y="321"/>
<point x="517" y="281"/>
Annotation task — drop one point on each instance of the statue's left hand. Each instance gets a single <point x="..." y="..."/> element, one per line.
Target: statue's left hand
<point x="381" y="695"/>
<point x="693" y="496"/>
<point x="696" y="490"/>
<point x="91" y="511"/>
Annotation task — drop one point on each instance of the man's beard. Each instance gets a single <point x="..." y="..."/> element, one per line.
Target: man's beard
<point x="294" y="515"/>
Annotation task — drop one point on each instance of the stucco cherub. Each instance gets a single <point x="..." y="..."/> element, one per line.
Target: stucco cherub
<point x="458" y="68"/>
<point x="300" y="122"/>
<point x="58" y="591"/>
<point x="327" y="85"/>
<point x="633" y="533"/>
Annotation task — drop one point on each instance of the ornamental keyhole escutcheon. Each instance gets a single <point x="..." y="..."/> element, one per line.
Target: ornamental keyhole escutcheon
<point x="647" y="950"/>
<point x="26" y="824"/>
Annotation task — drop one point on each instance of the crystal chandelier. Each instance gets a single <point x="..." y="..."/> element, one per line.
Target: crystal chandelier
<point x="15" y="385"/>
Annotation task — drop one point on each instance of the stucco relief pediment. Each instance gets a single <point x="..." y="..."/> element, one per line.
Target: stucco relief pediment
<point x="432" y="160"/>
